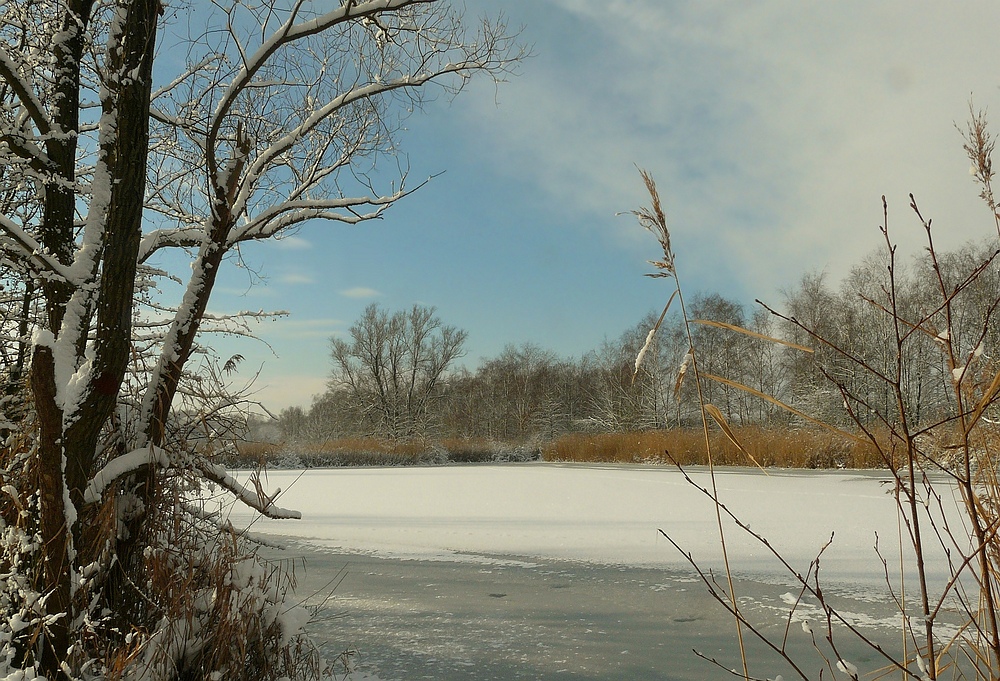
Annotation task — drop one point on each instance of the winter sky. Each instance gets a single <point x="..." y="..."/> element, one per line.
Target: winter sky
<point x="771" y="127"/>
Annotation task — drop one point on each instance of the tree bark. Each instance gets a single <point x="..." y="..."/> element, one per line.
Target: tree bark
<point x="127" y="164"/>
<point x="56" y="234"/>
<point x="68" y="443"/>
<point x="52" y="522"/>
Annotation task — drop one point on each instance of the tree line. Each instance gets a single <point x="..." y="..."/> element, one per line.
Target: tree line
<point x="397" y="374"/>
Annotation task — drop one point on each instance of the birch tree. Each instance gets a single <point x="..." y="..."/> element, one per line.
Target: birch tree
<point x="121" y="140"/>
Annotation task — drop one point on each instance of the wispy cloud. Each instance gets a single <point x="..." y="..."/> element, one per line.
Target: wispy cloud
<point x="773" y="128"/>
<point x="360" y="292"/>
<point x="293" y="243"/>
<point x="297" y="278"/>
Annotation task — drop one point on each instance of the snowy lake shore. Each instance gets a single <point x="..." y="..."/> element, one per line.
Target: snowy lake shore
<point x="428" y="551"/>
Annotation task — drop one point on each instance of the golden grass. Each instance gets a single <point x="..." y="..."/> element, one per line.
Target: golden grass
<point x="789" y="448"/>
<point x="770" y="447"/>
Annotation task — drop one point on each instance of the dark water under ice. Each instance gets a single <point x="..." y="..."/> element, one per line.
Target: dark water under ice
<point x="501" y="618"/>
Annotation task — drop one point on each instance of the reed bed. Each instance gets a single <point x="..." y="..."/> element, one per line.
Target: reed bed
<point x="767" y="447"/>
<point x="958" y="443"/>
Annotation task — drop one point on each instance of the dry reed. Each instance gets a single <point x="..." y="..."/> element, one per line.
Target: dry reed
<point x="958" y="448"/>
<point x="770" y="447"/>
<point x="797" y="448"/>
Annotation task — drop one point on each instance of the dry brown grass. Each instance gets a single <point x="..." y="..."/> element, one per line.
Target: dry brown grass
<point x="789" y="448"/>
<point x="340" y="452"/>
<point x="260" y="451"/>
<point x="771" y="447"/>
<point x="212" y="586"/>
<point x="380" y="452"/>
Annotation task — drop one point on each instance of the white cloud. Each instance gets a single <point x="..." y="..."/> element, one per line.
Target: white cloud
<point x="293" y="243"/>
<point x="296" y="279"/>
<point x="772" y="128"/>
<point x="360" y="292"/>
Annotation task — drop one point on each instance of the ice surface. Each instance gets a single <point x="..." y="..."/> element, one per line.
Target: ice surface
<point x="602" y="514"/>
<point x="521" y="524"/>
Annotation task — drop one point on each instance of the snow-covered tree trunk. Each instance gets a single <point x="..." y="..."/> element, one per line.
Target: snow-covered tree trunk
<point x="260" y="131"/>
<point x="75" y="394"/>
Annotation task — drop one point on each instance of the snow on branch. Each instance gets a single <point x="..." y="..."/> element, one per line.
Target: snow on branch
<point x="290" y="32"/>
<point x="226" y="527"/>
<point x="165" y="238"/>
<point x="33" y="253"/>
<point x="123" y="465"/>
<point x="236" y="324"/>
<point x="22" y="147"/>
<point x="288" y="213"/>
<point x="180" y="123"/>
<point x="245" y="314"/>
<point x="8" y="72"/>
<point x="255" y="499"/>
<point x="286" y="142"/>
<point x="138" y="459"/>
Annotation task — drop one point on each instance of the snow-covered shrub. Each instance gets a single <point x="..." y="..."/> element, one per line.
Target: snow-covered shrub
<point x="217" y="609"/>
<point x="21" y="615"/>
<point x="203" y="604"/>
<point x="516" y="454"/>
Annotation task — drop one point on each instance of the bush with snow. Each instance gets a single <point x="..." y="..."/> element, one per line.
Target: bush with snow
<point x="201" y="603"/>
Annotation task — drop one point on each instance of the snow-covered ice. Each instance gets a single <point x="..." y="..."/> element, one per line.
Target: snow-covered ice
<point x="522" y="523"/>
<point x="595" y="513"/>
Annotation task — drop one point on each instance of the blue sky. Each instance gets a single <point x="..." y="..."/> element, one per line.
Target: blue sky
<point x="772" y="129"/>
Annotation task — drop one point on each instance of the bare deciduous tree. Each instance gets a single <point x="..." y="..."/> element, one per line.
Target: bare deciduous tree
<point x="272" y="116"/>
<point x="622" y="396"/>
<point x="393" y="366"/>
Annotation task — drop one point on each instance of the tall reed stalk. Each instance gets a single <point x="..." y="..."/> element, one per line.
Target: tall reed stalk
<point x="928" y="460"/>
<point x="654" y="220"/>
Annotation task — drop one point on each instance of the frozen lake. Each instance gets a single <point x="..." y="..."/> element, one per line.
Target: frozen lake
<point x="541" y="571"/>
<point x="547" y="620"/>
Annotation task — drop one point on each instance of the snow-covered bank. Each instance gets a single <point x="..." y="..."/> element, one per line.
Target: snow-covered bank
<point x="602" y="514"/>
